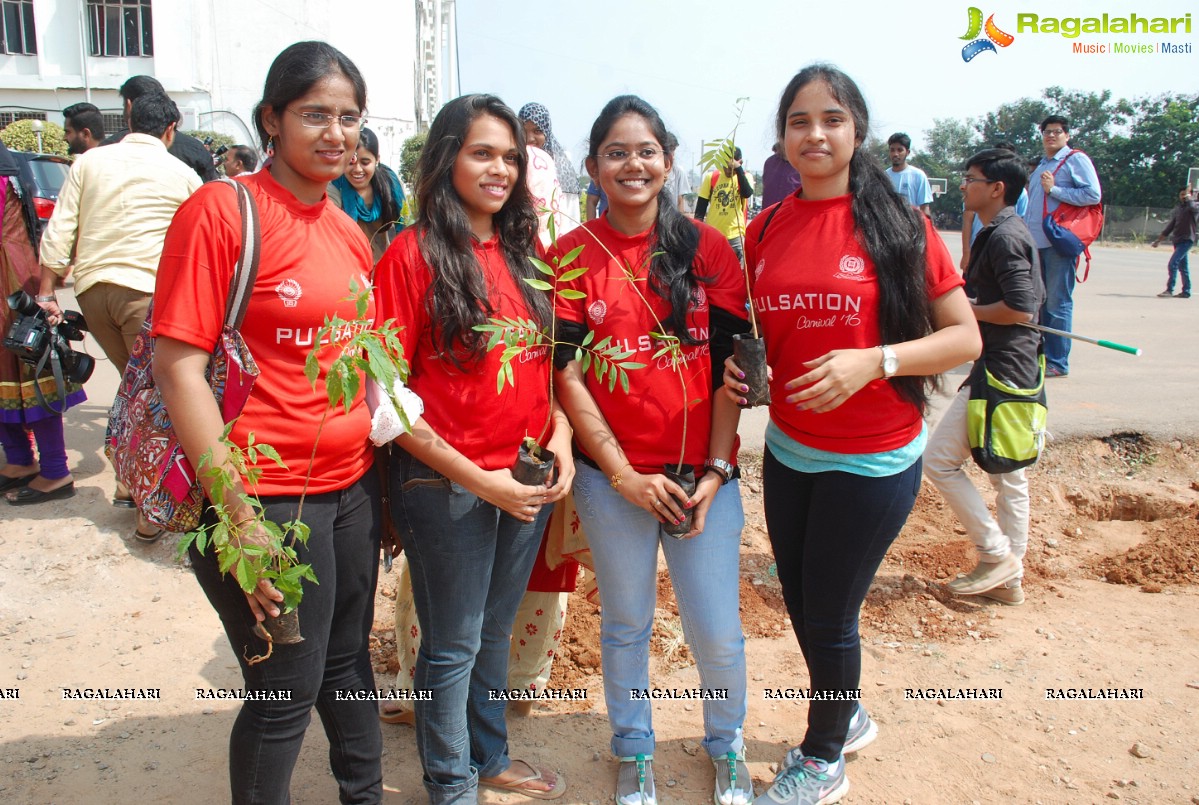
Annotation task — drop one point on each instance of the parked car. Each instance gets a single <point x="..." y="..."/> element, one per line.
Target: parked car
<point x="46" y="175"/>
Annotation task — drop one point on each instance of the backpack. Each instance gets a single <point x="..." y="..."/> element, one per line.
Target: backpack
<point x="1072" y="229"/>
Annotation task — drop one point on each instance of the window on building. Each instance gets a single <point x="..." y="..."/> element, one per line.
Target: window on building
<point x="8" y="118"/>
<point x="17" y="20"/>
<point x="120" y="27"/>
<point x="113" y="121"/>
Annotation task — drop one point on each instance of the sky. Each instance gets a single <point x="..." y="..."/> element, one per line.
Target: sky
<point x="692" y="59"/>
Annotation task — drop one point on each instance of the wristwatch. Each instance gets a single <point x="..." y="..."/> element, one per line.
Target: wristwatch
<point x="890" y="362"/>
<point x="724" y="468"/>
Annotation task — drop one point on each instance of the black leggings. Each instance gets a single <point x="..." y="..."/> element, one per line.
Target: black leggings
<point x="335" y="619"/>
<point x="830" y="532"/>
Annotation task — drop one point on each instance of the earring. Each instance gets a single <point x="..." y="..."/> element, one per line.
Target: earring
<point x="270" y="147"/>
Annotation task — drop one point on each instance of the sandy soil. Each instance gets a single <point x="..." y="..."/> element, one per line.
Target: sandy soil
<point x="1112" y="603"/>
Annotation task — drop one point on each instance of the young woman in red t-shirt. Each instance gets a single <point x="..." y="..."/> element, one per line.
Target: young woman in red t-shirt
<point x="652" y="270"/>
<point x="470" y="530"/>
<point x="860" y="306"/>
<point x="309" y="118"/>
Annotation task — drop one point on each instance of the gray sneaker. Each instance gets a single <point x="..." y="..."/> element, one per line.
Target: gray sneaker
<point x="806" y="781"/>
<point x="733" y="783"/>
<point x="862" y="731"/>
<point x="987" y="576"/>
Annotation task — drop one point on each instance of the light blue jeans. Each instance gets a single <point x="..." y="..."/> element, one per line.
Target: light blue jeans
<point x="705" y="573"/>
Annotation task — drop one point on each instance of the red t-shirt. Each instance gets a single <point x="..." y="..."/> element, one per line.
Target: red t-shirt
<point x="648" y="420"/>
<point x="310" y="254"/>
<point x="815" y="290"/>
<point x="463" y="406"/>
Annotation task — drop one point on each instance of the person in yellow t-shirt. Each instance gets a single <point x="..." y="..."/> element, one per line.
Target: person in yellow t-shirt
<point x="724" y="194"/>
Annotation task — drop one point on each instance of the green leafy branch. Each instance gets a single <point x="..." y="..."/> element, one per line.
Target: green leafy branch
<point x="718" y="156"/>
<point x="231" y="536"/>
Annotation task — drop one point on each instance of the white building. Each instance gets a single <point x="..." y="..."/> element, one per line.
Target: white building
<point x="212" y="57"/>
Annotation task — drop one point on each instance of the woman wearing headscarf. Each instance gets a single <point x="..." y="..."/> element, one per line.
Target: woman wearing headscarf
<point x="540" y="133"/>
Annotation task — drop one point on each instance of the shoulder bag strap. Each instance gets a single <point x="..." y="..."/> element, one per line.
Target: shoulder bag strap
<point x="246" y="270"/>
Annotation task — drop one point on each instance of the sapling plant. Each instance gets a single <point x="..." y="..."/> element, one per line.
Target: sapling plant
<point x="253" y="548"/>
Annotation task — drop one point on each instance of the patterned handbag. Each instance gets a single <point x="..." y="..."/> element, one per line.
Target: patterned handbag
<point x="140" y="440"/>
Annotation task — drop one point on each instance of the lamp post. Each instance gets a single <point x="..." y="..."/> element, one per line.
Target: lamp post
<point x="38" y="127"/>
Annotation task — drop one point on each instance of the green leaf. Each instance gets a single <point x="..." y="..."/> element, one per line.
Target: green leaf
<point x="542" y="266"/>
<point x="570" y="293"/>
<point x="632" y="365"/>
<point x="587" y="339"/>
<point x="612" y="381"/>
<point x="333" y="387"/>
<point x="508" y="372"/>
<point x="571" y="256"/>
<point x="573" y="274"/>
<point x="540" y="285"/>
<point x="312" y="368"/>
<point x="624" y="381"/>
<point x="500" y="377"/>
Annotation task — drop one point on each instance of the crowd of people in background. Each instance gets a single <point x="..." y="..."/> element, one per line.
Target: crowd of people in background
<point x="496" y="195"/>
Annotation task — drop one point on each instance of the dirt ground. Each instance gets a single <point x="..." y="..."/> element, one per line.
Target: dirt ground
<point x="1112" y="604"/>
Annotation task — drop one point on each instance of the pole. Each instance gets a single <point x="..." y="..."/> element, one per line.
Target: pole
<point x="1099" y="342"/>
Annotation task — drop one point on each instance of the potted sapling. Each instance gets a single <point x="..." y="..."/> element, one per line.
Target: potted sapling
<point x="272" y="553"/>
<point x="749" y="350"/>
<point x="519" y="337"/>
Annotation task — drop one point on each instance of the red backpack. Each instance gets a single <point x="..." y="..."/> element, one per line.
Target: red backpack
<point x="1072" y="229"/>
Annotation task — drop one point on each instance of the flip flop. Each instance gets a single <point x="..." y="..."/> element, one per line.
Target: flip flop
<point x="146" y="532"/>
<point x="15" y="483"/>
<point x="402" y="716"/>
<point x="123" y="503"/>
<point x="27" y="495"/>
<point x="517" y="786"/>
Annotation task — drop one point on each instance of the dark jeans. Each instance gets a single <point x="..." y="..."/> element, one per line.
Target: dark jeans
<point x="335" y="620"/>
<point x="470" y="564"/>
<point x="830" y="532"/>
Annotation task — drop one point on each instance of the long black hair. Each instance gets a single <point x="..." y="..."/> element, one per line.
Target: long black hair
<point x="457" y="299"/>
<point x="887" y="227"/>
<point x="389" y="207"/>
<point x="297" y="70"/>
<point x="674" y="240"/>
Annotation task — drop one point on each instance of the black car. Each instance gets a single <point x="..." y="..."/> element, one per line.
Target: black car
<point x="44" y="175"/>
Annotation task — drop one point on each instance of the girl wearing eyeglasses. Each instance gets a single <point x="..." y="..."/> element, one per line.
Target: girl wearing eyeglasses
<point x="471" y="532"/>
<point x="650" y="270"/>
<point x="860" y="306"/>
<point x="308" y="119"/>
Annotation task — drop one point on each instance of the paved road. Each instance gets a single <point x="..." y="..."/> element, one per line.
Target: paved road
<point x="1107" y="391"/>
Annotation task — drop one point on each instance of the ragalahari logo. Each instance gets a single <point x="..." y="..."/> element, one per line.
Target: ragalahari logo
<point x="978" y="44"/>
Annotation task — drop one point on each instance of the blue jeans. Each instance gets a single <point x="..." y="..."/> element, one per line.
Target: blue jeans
<point x="1179" y="265"/>
<point x="830" y="532"/>
<point x="1058" y="310"/>
<point x="705" y="573"/>
<point x="336" y="616"/>
<point x="470" y="563"/>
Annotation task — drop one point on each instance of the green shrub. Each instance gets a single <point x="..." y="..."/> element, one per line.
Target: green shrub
<point x="218" y="139"/>
<point x="409" y="153"/>
<point x="19" y="136"/>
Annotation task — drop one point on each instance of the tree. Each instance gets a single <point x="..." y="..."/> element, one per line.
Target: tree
<point x="949" y="144"/>
<point x="409" y="154"/>
<point x="1149" y="165"/>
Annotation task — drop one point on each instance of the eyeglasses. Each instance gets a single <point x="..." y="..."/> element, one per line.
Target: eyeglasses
<point x="323" y="120"/>
<point x="1053" y="132"/>
<point x="969" y="180"/>
<point x="620" y="155"/>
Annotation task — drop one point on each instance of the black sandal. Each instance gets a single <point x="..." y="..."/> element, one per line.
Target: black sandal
<point x="27" y="495"/>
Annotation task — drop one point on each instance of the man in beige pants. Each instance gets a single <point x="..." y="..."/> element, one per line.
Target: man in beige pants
<point x="110" y="221"/>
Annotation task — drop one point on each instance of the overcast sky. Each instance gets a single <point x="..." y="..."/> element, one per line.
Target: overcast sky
<point x="693" y="58"/>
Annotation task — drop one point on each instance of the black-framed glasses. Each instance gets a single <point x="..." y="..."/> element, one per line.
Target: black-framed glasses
<point x="621" y="155"/>
<point x="323" y="120"/>
<point x="1053" y="132"/>
<point x="968" y="180"/>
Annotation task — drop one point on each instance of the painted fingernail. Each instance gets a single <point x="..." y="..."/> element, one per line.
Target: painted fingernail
<point x="742" y="402"/>
<point x="744" y="389"/>
<point x="741" y="375"/>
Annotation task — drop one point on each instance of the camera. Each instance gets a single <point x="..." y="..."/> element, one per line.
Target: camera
<point x="37" y="343"/>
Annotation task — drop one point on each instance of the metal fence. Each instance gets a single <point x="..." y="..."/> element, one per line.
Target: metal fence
<point x="1134" y="224"/>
